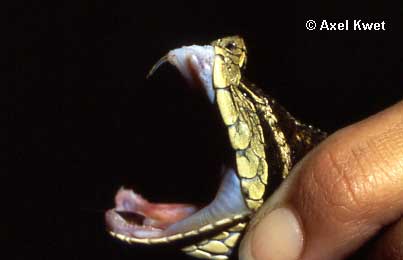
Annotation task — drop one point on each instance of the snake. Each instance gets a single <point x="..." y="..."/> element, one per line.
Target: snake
<point x="266" y="142"/>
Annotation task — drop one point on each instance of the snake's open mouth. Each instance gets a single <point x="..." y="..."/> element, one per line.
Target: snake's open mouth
<point x="134" y="219"/>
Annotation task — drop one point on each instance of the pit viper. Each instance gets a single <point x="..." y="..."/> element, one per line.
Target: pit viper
<point x="266" y="142"/>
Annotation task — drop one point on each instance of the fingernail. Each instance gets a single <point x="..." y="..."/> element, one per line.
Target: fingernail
<point x="278" y="236"/>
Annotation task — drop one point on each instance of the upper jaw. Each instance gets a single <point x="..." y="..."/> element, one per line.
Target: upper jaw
<point x="195" y="63"/>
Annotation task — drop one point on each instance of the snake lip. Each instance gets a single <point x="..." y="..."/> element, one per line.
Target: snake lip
<point x="134" y="219"/>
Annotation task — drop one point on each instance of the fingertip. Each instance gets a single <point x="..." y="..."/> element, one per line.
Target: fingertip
<point x="278" y="236"/>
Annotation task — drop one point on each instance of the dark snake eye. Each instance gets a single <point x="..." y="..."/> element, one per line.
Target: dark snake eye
<point x="230" y="46"/>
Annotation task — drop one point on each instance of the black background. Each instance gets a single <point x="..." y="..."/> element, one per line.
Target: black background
<point x="82" y="120"/>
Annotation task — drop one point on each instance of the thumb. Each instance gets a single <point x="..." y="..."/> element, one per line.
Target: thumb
<point x="338" y="197"/>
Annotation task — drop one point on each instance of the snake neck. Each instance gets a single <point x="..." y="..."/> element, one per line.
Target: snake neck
<point x="287" y="140"/>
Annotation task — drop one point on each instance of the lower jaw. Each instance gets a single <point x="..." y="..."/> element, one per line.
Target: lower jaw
<point x="227" y="205"/>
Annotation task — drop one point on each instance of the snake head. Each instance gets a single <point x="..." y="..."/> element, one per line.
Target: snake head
<point x="265" y="142"/>
<point x="215" y="228"/>
<point x="232" y="47"/>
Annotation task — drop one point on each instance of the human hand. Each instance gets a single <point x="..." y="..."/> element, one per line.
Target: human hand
<point x="342" y="194"/>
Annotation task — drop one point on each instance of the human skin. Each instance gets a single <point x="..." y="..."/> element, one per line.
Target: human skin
<point x="345" y="192"/>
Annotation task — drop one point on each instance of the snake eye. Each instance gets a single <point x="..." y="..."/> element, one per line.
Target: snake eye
<point x="231" y="46"/>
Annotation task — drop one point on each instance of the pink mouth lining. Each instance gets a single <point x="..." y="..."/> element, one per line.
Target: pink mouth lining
<point x="135" y="216"/>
